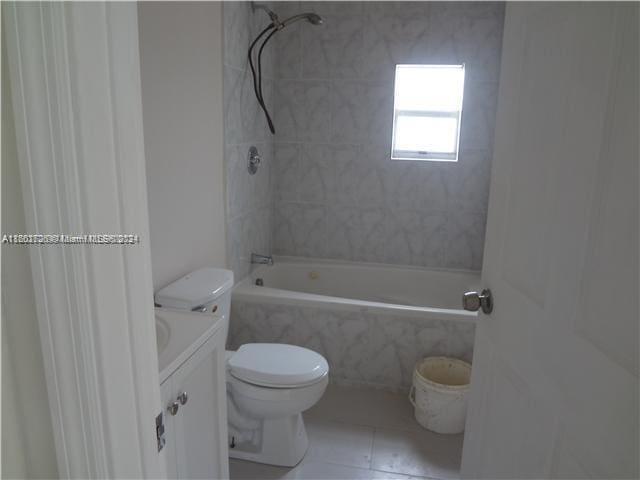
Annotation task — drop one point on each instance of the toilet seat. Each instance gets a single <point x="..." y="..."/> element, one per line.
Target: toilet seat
<point x="276" y="365"/>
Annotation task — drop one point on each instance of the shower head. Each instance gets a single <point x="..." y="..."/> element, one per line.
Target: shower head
<point x="312" y="18"/>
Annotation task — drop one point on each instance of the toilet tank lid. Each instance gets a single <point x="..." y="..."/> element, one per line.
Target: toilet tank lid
<point x="196" y="288"/>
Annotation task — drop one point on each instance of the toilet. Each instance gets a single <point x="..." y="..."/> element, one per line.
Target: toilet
<point x="269" y="385"/>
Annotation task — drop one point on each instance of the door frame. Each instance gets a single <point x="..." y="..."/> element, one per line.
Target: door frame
<point x="75" y="78"/>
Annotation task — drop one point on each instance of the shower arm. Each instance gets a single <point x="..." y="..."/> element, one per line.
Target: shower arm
<point x="272" y="15"/>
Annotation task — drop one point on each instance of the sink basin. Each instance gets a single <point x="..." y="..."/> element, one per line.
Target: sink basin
<point x="162" y="334"/>
<point x="179" y="334"/>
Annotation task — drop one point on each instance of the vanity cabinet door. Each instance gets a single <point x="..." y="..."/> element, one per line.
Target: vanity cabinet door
<point x="200" y="426"/>
<point x="168" y="452"/>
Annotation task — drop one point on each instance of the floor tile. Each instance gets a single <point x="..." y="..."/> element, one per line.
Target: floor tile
<point x="244" y="470"/>
<point x="364" y="433"/>
<point x="308" y="469"/>
<point x="423" y="454"/>
<point x="321" y="470"/>
<point x="365" y="406"/>
<point x="394" y="476"/>
<point x="340" y="443"/>
<point x="315" y="470"/>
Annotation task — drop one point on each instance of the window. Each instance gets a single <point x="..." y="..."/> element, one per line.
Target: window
<point x="426" y="112"/>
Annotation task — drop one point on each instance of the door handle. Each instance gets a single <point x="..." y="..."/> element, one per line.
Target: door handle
<point x="474" y="301"/>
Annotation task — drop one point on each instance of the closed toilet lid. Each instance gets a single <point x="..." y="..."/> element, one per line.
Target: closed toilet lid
<point x="277" y="365"/>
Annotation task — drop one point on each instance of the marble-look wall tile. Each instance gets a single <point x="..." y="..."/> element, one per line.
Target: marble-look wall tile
<point x="236" y="34"/>
<point x="330" y="184"/>
<point x="360" y="346"/>
<point x="232" y="94"/>
<point x="398" y="343"/>
<point x="478" y="116"/>
<point x="416" y="237"/>
<point x="300" y="229"/>
<point x="305" y="172"/>
<point x="461" y="339"/>
<point x="417" y="185"/>
<point x="286" y="167"/>
<point x="397" y="33"/>
<point x="465" y="240"/>
<point x="301" y="110"/>
<point x="333" y="145"/>
<point x="316" y="174"/>
<point x="250" y="232"/>
<point x="288" y="47"/>
<point x="470" y="181"/>
<point x="357" y="233"/>
<point x="361" y="111"/>
<point x="249" y="210"/>
<point x="333" y="7"/>
<point x="333" y="49"/>
<point x="469" y="33"/>
<point x="359" y="179"/>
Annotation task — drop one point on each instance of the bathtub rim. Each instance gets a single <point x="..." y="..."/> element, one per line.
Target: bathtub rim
<point x="330" y="261"/>
<point x="247" y="291"/>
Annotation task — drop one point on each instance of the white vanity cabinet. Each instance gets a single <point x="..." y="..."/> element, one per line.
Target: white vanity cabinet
<point x="195" y="413"/>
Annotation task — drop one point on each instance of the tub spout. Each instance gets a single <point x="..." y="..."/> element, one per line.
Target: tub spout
<point x="261" y="259"/>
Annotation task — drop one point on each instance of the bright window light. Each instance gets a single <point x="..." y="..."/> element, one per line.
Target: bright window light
<point x="426" y="113"/>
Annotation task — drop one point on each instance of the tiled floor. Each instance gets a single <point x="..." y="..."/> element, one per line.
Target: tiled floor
<point x="357" y="433"/>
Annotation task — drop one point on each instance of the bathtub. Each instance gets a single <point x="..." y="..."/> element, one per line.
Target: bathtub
<point x="371" y="322"/>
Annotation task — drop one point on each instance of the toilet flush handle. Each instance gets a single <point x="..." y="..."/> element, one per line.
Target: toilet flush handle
<point x="173" y="408"/>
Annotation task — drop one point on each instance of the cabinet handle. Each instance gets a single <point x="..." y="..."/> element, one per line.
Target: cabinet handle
<point x="173" y="408"/>
<point x="183" y="398"/>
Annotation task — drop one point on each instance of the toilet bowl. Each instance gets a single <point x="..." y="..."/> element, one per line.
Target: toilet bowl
<point x="268" y="385"/>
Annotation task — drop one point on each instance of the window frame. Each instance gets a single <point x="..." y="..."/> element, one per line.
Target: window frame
<point x="457" y="115"/>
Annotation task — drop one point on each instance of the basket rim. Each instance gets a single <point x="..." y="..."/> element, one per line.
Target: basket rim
<point x="441" y="386"/>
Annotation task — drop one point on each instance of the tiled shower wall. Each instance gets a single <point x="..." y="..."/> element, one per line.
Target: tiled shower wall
<point x="336" y="192"/>
<point x="249" y="198"/>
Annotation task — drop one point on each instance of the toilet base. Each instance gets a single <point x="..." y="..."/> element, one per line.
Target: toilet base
<point x="282" y="442"/>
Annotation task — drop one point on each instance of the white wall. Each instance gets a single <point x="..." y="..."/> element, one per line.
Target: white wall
<point x="181" y="72"/>
<point x="28" y="450"/>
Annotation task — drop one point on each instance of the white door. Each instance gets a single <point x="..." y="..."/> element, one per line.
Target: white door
<point x="555" y="380"/>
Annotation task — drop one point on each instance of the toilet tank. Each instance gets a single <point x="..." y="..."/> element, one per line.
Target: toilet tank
<point x="207" y="290"/>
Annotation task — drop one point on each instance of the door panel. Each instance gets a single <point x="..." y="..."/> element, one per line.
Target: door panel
<point x="555" y="380"/>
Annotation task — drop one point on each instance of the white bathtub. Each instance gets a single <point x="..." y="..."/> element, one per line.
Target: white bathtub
<point x="371" y="322"/>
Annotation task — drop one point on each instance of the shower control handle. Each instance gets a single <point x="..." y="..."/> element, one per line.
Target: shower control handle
<point x="183" y="398"/>
<point x="254" y="160"/>
<point x="474" y="301"/>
